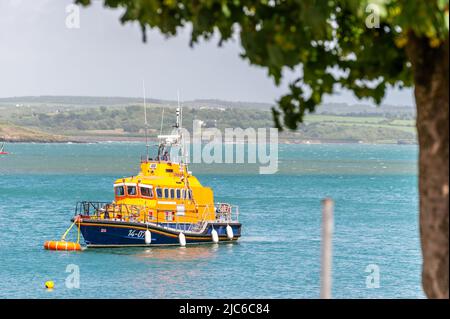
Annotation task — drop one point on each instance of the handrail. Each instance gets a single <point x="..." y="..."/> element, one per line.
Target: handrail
<point x="201" y="224"/>
<point x="110" y="210"/>
<point x="226" y="212"/>
<point x="113" y="211"/>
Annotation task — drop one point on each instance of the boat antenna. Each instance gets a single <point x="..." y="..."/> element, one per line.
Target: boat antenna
<point x="162" y="122"/>
<point x="180" y="107"/>
<point x="161" y="145"/>
<point x="178" y="126"/>
<point x="183" y="164"/>
<point x="145" y="122"/>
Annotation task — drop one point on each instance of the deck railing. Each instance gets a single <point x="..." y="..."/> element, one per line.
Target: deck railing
<point x="135" y="213"/>
<point x="105" y="210"/>
<point x="227" y="213"/>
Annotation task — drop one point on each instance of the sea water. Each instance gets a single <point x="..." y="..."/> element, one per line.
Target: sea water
<point x="376" y="247"/>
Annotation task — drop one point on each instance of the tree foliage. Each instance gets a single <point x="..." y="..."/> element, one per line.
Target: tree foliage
<point x="333" y="44"/>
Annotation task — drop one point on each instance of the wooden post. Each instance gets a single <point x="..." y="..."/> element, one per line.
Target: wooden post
<point x="327" y="234"/>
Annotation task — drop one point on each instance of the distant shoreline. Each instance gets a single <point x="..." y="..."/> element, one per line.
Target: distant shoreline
<point x="282" y="141"/>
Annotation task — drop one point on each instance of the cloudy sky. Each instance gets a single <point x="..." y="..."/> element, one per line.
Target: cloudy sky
<point x="39" y="55"/>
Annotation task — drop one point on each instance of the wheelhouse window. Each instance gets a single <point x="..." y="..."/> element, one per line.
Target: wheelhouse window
<point x="183" y="194"/>
<point x="146" y="192"/>
<point x="172" y="193"/>
<point x="189" y="194"/>
<point x="119" y="190"/>
<point x="159" y="192"/>
<point x="131" y="190"/>
<point x="166" y="192"/>
<point x="178" y="193"/>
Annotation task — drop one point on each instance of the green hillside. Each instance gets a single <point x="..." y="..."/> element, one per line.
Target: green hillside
<point x="89" y="121"/>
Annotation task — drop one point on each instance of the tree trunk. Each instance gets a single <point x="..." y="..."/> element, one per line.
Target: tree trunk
<point x="431" y="75"/>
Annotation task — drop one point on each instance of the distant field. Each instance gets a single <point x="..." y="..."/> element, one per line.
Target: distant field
<point x="407" y="126"/>
<point x="342" y="119"/>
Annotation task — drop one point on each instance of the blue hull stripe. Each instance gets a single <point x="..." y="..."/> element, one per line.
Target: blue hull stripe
<point x="104" y="234"/>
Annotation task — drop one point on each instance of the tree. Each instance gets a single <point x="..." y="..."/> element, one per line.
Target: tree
<point x="360" y="45"/>
<point x="131" y="127"/>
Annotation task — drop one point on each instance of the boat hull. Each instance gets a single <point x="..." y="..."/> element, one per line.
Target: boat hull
<point x="99" y="233"/>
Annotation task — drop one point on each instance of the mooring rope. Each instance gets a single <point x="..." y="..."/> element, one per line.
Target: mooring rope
<point x="63" y="238"/>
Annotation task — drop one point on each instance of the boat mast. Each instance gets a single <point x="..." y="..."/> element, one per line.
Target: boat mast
<point x="183" y="164"/>
<point x="162" y="122"/>
<point x="161" y="144"/>
<point x="179" y="125"/>
<point x="146" y="123"/>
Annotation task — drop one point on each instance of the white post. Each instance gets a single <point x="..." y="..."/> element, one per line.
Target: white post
<point x="327" y="234"/>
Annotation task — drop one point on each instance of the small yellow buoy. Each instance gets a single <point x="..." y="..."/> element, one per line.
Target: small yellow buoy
<point x="49" y="284"/>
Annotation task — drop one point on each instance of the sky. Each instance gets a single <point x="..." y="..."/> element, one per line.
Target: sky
<point x="40" y="55"/>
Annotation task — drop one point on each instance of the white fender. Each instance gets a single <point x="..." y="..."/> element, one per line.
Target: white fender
<point x="230" y="234"/>
<point x="182" y="239"/>
<point x="215" y="236"/>
<point x="148" y="237"/>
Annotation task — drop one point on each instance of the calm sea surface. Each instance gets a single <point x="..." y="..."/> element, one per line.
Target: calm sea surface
<point x="376" y="223"/>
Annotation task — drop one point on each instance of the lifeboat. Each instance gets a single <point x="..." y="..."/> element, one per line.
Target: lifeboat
<point x="164" y="204"/>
